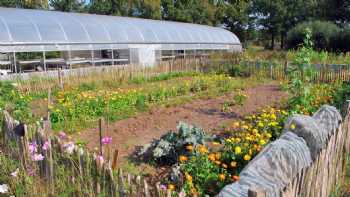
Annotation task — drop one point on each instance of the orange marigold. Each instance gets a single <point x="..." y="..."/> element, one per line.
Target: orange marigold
<point x="222" y="177"/>
<point x="183" y="158"/>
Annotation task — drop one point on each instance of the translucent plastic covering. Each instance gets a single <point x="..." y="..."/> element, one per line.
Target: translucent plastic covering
<point x="37" y="30"/>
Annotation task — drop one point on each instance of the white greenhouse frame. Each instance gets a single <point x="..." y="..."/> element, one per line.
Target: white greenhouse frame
<point x="26" y="30"/>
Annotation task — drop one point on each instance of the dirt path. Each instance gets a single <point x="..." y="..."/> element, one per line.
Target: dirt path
<point x="142" y="129"/>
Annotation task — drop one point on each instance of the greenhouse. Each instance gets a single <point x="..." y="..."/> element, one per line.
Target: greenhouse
<point x="37" y="40"/>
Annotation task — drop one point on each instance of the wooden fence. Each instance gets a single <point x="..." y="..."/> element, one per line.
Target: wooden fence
<point x="87" y="173"/>
<point x="309" y="159"/>
<point x="42" y="81"/>
<point x="280" y="71"/>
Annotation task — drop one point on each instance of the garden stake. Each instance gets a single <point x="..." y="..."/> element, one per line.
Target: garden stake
<point x="100" y="133"/>
<point x="115" y="159"/>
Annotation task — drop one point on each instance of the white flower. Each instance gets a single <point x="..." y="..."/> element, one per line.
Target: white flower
<point x="15" y="173"/>
<point x="69" y="147"/>
<point x="37" y="157"/>
<point x="4" y="189"/>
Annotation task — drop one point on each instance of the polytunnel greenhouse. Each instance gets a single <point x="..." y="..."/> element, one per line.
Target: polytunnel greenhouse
<point x="37" y="40"/>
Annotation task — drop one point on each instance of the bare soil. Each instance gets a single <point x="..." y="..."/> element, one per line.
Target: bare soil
<point x="131" y="133"/>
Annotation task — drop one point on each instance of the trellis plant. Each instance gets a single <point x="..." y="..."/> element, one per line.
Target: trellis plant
<point x="300" y="77"/>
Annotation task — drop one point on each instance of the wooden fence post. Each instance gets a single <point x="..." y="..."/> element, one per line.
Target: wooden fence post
<point x="100" y="134"/>
<point x="60" y="80"/>
<point x="271" y="71"/>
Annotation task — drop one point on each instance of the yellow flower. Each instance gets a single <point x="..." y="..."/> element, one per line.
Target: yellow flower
<point x="216" y="143"/>
<point x="247" y="157"/>
<point x="235" y="124"/>
<point x="217" y="156"/>
<point x="233" y="164"/>
<point x="244" y="127"/>
<point x="260" y="124"/>
<point x="183" y="158"/>
<point x="194" y="191"/>
<point x="262" y="142"/>
<point x="211" y="157"/>
<point x="171" y="187"/>
<point x="189" y="148"/>
<point x="238" y="150"/>
<point x="268" y="135"/>
<point x="222" y="177"/>
<point x="292" y="126"/>
<point x="273" y="116"/>
<point x="188" y="177"/>
<point x="250" y="151"/>
<point x="202" y="149"/>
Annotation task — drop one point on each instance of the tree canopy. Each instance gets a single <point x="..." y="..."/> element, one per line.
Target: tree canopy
<point x="272" y="18"/>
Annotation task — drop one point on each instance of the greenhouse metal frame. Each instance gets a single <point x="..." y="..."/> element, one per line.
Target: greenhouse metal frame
<point x="142" y="40"/>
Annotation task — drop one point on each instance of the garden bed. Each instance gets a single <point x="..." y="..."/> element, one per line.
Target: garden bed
<point x="208" y="114"/>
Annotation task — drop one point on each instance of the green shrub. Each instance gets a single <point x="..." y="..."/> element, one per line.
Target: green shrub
<point x="322" y="34"/>
<point x="340" y="41"/>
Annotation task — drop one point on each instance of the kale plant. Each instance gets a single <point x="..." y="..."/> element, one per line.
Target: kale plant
<point x="170" y="146"/>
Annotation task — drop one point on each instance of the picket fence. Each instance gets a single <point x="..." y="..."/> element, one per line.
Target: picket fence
<point x="107" y="179"/>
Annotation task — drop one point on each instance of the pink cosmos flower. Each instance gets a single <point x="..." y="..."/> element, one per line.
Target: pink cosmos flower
<point x="163" y="187"/>
<point x="37" y="157"/>
<point x="100" y="158"/>
<point x="62" y="135"/>
<point x="69" y="147"/>
<point x="106" y="140"/>
<point x="46" y="145"/>
<point x="15" y="173"/>
<point x="32" y="147"/>
<point x="30" y="171"/>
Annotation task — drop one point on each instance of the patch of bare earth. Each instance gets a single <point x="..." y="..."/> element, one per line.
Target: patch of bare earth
<point x="130" y="133"/>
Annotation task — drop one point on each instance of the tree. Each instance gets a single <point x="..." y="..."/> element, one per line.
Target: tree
<point x="68" y="5"/>
<point x="277" y="16"/>
<point x="192" y="11"/>
<point x="149" y="9"/>
<point x="113" y="7"/>
<point x="32" y="4"/>
<point x="235" y="16"/>
<point x="36" y="4"/>
<point x="335" y="10"/>
<point x="9" y="3"/>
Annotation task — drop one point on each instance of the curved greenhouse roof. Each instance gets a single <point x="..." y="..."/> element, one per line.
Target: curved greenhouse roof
<point x="38" y="30"/>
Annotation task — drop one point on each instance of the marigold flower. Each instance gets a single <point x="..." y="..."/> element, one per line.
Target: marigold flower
<point x="247" y="157"/>
<point x="171" y="187"/>
<point x="202" y="149"/>
<point x="188" y="177"/>
<point x="189" y="147"/>
<point x="235" y="124"/>
<point x="217" y="156"/>
<point x="235" y="178"/>
<point x="222" y="177"/>
<point x="238" y="150"/>
<point x="211" y="157"/>
<point x="233" y="164"/>
<point x="262" y="142"/>
<point x="183" y="158"/>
